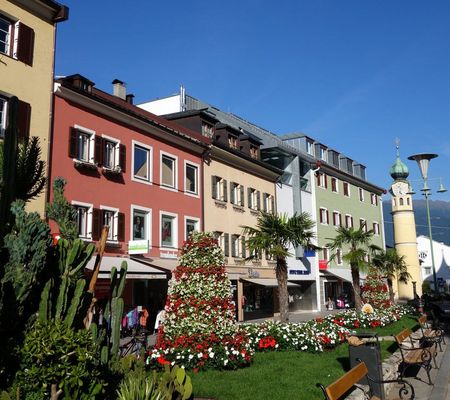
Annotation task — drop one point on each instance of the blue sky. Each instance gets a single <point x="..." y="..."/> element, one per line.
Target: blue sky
<point x="352" y="74"/>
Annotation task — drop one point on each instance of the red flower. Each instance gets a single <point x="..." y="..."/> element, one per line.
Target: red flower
<point x="162" y="360"/>
<point x="356" y="324"/>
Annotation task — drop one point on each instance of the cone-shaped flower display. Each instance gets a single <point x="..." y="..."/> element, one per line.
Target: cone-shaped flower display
<point x="375" y="291"/>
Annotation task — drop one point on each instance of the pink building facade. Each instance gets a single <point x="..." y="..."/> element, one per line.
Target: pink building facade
<point x="133" y="171"/>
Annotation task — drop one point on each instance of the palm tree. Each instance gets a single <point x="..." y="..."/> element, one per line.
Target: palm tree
<point x="275" y="234"/>
<point x="357" y="243"/>
<point x="391" y="265"/>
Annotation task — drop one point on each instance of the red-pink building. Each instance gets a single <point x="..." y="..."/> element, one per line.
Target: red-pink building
<point x="133" y="171"/>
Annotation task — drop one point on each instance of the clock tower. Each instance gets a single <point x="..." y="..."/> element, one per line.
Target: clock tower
<point x="405" y="237"/>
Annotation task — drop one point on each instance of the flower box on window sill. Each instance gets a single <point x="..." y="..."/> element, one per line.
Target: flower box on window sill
<point x="112" y="171"/>
<point x="80" y="164"/>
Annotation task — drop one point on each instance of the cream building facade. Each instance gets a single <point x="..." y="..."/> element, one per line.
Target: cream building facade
<point x="27" y="48"/>
<point x="405" y="237"/>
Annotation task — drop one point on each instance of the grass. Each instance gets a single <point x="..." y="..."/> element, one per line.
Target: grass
<point x="286" y="374"/>
<point x="408" y="321"/>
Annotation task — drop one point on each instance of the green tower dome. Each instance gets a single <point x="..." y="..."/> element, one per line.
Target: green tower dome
<point x="399" y="170"/>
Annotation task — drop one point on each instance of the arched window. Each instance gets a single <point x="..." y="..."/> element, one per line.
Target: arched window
<point x="407" y="201"/>
<point x="401" y="201"/>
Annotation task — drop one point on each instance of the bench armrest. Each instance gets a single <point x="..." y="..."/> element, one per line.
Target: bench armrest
<point x="405" y="392"/>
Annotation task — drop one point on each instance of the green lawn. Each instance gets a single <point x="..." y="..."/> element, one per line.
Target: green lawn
<point x="407" y="321"/>
<point x="285" y="375"/>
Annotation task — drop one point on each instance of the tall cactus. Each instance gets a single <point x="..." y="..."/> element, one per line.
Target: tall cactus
<point x="113" y="313"/>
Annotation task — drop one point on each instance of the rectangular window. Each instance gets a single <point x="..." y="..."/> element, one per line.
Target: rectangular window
<point x="5" y="35"/>
<point x="140" y="224"/>
<point x="254" y="200"/>
<point x="254" y="152"/>
<point x="191" y="179"/>
<point x="168" y="231"/>
<point x="323" y="215"/>
<point x="268" y="203"/>
<point x="309" y="147"/>
<point x="361" y="194"/>
<point x="337" y="218"/>
<point x="84" y="219"/>
<point x="326" y="254"/>
<point x="82" y="144"/>
<point x="334" y="185"/>
<point x="321" y="180"/>
<point x="223" y="242"/>
<point x="376" y="228"/>
<point x="109" y="219"/>
<point x="3" y="114"/>
<point x="346" y="189"/>
<point x="168" y="171"/>
<point x="191" y="225"/>
<point x="323" y="153"/>
<point x="373" y="199"/>
<point x="142" y="156"/>
<point x="348" y="221"/>
<point x="238" y="246"/>
<point x="338" y="256"/>
<point x="207" y="130"/>
<point x="233" y="142"/>
<point x="219" y="187"/>
<point x="363" y="224"/>
<point x="110" y="154"/>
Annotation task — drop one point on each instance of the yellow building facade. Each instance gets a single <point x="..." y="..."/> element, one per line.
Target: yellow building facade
<point x="27" y="48"/>
<point x="405" y="237"/>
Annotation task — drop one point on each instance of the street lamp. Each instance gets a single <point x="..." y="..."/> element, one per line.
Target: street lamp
<point x="423" y="160"/>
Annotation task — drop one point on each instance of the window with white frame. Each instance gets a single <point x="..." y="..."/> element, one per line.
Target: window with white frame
<point x="323" y="153"/>
<point x="110" y="218"/>
<point x="334" y="185"/>
<point x="168" y="171"/>
<point x="82" y="144"/>
<point x="337" y="218"/>
<point x="84" y="219"/>
<point x="321" y="180"/>
<point x="142" y="158"/>
<point x="363" y="224"/>
<point x="338" y="256"/>
<point x="268" y="203"/>
<point x="346" y="187"/>
<point x="253" y="199"/>
<point x="223" y="242"/>
<point x="326" y="254"/>
<point x="207" y="130"/>
<point x="233" y="142"/>
<point x="3" y="114"/>
<point x="373" y="199"/>
<point x="16" y="40"/>
<point x="376" y="228"/>
<point x="5" y="35"/>
<point x="191" y="225"/>
<point x="348" y="221"/>
<point x="219" y="188"/>
<point x="111" y="149"/>
<point x="141" y="224"/>
<point x="309" y="147"/>
<point x="238" y="246"/>
<point x="237" y="194"/>
<point x="361" y="194"/>
<point x="191" y="178"/>
<point x="323" y="216"/>
<point x="169" y="231"/>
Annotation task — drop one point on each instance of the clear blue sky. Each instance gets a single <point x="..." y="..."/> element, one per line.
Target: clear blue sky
<point x="352" y="74"/>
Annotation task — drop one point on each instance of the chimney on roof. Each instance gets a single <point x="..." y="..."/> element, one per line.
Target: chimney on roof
<point x="119" y="89"/>
<point x="129" y="98"/>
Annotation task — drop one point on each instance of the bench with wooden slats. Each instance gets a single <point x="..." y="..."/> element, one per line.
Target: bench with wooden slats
<point x="411" y="355"/>
<point x="340" y="387"/>
<point x="434" y="336"/>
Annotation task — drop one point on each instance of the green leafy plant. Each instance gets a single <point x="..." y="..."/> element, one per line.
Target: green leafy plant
<point x="138" y="386"/>
<point x="59" y="362"/>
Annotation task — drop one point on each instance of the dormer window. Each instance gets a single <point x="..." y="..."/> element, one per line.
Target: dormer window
<point x="309" y="147"/>
<point x="207" y="130"/>
<point x="254" y="152"/>
<point x="233" y="142"/>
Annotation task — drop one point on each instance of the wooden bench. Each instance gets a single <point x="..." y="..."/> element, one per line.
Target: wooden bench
<point x="414" y="355"/>
<point x="429" y="334"/>
<point x="339" y="388"/>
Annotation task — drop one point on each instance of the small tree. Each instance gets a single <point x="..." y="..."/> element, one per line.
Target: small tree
<point x="275" y="234"/>
<point x="392" y="266"/>
<point x="375" y="291"/>
<point x="356" y="247"/>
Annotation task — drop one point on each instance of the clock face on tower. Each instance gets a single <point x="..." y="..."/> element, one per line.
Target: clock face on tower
<point x="399" y="188"/>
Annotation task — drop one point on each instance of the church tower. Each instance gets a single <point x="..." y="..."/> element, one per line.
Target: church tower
<point x="405" y="237"/>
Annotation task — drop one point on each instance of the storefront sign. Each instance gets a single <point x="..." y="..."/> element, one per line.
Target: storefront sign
<point x="323" y="264"/>
<point x="166" y="254"/>
<point x="253" y="274"/>
<point x="138" y="247"/>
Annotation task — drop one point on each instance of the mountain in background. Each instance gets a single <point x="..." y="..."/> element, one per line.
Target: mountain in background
<point x="440" y="220"/>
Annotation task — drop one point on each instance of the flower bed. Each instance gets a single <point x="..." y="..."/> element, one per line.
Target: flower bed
<point x="233" y="352"/>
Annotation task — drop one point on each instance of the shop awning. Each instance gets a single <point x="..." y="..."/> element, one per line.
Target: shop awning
<point x="161" y="264"/>
<point x="268" y="282"/>
<point x="135" y="269"/>
<point x="342" y="273"/>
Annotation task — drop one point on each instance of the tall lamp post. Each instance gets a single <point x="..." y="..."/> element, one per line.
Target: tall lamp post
<point x="423" y="160"/>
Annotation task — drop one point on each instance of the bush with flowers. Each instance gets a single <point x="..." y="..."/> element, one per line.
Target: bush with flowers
<point x="199" y="329"/>
<point x="375" y="290"/>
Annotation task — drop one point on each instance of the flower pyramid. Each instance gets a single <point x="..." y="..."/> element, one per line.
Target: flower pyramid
<point x="375" y="291"/>
<point x="199" y="327"/>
